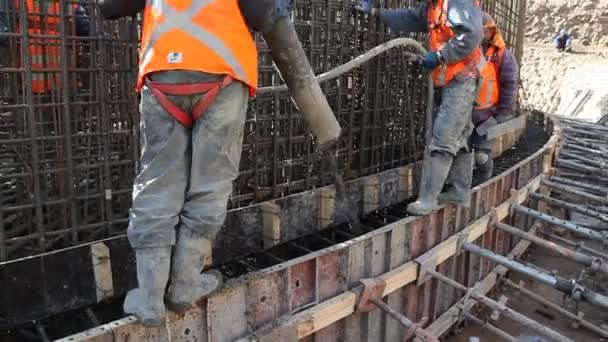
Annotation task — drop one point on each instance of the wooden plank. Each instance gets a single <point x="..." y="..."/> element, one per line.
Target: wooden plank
<point x="271" y="221"/>
<point x="398" y="252"/>
<point x="356" y="271"/>
<point x="445" y="322"/>
<point x="371" y="194"/>
<point x="332" y="280"/>
<point x="227" y="313"/>
<point x="327" y="206"/>
<point x="379" y="264"/>
<point x="102" y="270"/>
<point x="267" y="298"/>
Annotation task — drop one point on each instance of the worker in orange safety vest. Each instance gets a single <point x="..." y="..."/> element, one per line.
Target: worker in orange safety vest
<point x="198" y="69"/>
<point x="497" y="96"/>
<point x="44" y="19"/>
<point x="455" y="60"/>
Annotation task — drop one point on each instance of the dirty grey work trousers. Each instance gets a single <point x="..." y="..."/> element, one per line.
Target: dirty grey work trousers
<point x="186" y="174"/>
<point x="453" y="125"/>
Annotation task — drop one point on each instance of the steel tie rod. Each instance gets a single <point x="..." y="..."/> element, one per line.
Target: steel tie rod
<point x="491" y="328"/>
<point x="592" y="234"/>
<point x="592" y="327"/>
<point x="574" y="191"/>
<point x="570" y="206"/>
<point x="596" y="264"/>
<point x="569" y="287"/>
<point x="492" y="304"/>
<point x="597" y="189"/>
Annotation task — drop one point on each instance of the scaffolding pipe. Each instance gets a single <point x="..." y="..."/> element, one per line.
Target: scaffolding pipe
<point x="577" y="246"/>
<point x="569" y="287"/>
<point x="599" y="190"/>
<point x="419" y="332"/>
<point x="575" y="228"/>
<point x="494" y="305"/>
<point x="596" y="163"/>
<point x="574" y="146"/>
<point x="570" y="206"/>
<point x="578" y="166"/>
<point x="596" y="264"/>
<point x="491" y="328"/>
<point x="598" y="135"/>
<point x="592" y="327"/>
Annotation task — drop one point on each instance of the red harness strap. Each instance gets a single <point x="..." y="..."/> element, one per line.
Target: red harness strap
<point x="209" y="90"/>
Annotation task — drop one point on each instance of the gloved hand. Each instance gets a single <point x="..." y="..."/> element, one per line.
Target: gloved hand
<point x="3" y="39"/>
<point x="430" y="61"/>
<point x="365" y="6"/>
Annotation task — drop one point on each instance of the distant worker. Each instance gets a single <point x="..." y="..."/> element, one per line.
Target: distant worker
<point x="455" y="60"/>
<point x="198" y="68"/>
<point x="563" y="41"/>
<point x="45" y="53"/>
<point x="497" y="96"/>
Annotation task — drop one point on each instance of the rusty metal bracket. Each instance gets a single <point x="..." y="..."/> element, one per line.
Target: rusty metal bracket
<point x="502" y="301"/>
<point x="427" y="261"/>
<point x="372" y="289"/>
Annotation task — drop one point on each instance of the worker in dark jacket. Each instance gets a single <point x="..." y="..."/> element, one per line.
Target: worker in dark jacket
<point x="455" y="61"/>
<point x="497" y="96"/>
<point x="563" y="41"/>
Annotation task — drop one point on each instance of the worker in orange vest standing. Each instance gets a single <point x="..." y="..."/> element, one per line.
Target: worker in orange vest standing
<point x="197" y="70"/>
<point x="455" y="60"/>
<point x="497" y="96"/>
<point x="44" y="19"/>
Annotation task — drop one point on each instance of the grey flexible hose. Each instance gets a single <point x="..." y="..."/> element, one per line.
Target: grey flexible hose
<point x="359" y="60"/>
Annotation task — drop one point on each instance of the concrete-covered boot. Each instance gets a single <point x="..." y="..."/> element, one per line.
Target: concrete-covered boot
<point x="146" y="301"/>
<point x="460" y="178"/>
<point x="484" y="171"/>
<point x="188" y="284"/>
<point x="434" y="172"/>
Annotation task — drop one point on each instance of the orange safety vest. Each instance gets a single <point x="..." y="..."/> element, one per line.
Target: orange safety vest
<point x="202" y="35"/>
<point x="44" y="53"/>
<point x="441" y="33"/>
<point x="489" y="91"/>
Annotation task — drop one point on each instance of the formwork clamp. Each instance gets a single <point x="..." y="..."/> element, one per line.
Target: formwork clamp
<point x="502" y="302"/>
<point x="426" y="262"/>
<point x="370" y="298"/>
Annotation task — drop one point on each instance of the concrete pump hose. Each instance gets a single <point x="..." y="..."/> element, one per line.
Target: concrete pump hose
<point x="359" y="60"/>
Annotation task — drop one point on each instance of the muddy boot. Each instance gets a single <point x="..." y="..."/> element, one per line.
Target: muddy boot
<point x="484" y="171"/>
<point x="434" y="172"/>
<point x="188" y="284"/>
<point x="146" y="301"/>
<point x="460" y="177"/>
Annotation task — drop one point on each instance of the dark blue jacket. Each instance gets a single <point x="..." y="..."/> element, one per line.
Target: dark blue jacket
<point x="508" y="78"/>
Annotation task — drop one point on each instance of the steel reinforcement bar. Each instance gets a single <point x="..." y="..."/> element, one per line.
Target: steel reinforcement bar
<point x="315" y="296"/>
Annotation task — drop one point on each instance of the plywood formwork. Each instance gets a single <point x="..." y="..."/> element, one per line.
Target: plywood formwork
<point x="314" y="296"/>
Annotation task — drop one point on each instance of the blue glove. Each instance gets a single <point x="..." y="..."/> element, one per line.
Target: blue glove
<point x="430" y="61"/>
<point x="365" y="6"/>
<point x="3" y="39"/>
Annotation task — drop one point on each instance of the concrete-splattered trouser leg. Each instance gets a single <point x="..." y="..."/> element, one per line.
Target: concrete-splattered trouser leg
<point x="217" y="139"/>
<point x="484" y="165"/>
<point x="158" y="198"/>
<point x="451" y="131"/>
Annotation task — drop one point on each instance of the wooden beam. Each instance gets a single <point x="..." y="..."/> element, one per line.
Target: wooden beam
<point x="341" y="306"/>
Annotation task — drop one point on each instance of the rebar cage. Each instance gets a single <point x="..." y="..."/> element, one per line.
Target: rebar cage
<point x="69" y="116"/>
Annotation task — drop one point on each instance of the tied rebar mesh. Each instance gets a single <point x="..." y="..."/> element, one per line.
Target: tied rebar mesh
<point x="68" y="155"/>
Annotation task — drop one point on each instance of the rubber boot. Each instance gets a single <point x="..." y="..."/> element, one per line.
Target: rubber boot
<point x="146" y="301"/>
<point x="188" y="284"/>
<point x="484" y="171"/>
<point x="434" y="172"/>
<point x="460" y="177"/>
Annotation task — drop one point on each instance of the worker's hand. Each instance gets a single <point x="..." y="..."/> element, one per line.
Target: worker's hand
<point x="365" y="6"/>
<point x="430" y="61"/>
<point x="3" y="39"/>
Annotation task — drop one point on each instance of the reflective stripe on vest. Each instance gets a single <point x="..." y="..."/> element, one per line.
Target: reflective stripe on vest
<point x="182" y="20"/>
<point x="441" y="33"/>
